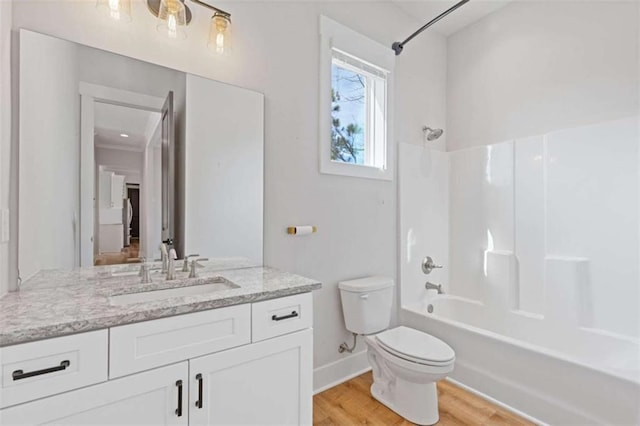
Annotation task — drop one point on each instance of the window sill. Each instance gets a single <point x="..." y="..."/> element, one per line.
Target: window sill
<point x="356" y="170"/>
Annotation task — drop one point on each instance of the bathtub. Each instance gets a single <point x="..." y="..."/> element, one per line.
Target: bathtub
<point x="555" y="375"/>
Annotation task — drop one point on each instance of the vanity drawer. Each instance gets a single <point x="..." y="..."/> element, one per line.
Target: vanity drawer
<point x="47" y="367"/>
<point x="281" y="316"/>
<point x="150" y="344"/>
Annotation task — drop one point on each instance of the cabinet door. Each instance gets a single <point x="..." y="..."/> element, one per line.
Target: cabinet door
<point x="265" y="383"/>
<point x="149" y="398"/>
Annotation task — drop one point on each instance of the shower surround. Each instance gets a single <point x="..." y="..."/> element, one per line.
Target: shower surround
<point x="540" y="241"/>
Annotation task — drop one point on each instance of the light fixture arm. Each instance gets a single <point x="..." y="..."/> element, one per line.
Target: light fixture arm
<point x="215" y="9"/>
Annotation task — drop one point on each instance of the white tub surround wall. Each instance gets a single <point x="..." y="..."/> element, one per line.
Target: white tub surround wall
<point x="532" y="227"/>
<point x="355" y="217"/>
<point x="423" y="191"/>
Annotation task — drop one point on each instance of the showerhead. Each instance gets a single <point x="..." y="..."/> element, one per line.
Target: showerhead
<point x="432" y="134"/>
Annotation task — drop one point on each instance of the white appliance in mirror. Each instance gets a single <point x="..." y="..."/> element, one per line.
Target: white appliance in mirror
<point x="117" y="155"/>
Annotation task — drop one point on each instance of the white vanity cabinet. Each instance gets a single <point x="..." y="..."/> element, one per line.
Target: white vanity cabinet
<point x="266" y="383"/>
<point x="150" y="398"/>
<point x="203" y="368"/>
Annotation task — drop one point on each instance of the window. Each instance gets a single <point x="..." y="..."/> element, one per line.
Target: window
<point x="354" y="113"/>
<point x="358" y="112"/>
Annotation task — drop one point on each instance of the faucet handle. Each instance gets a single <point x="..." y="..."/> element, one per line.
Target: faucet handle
<point x="195" y="265"/>
<point x="145" y="278"/>
<point x="429" y="265"/>
<point x="143" y="264"/>
<point x="185" y="264"/>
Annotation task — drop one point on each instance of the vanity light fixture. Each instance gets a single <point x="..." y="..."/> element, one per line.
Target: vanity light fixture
<point x="175" y="15"/>
<point x="120" y="10"/>
<point x="172" y="19"/>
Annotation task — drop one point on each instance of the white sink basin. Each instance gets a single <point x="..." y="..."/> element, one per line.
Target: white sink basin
<point x="208" y="286"/>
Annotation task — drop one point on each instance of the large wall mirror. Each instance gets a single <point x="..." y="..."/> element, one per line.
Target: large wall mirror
<point x="117" y="155"/>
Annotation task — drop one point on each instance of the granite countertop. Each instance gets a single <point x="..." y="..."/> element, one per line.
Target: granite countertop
<point x="57" y="303"/>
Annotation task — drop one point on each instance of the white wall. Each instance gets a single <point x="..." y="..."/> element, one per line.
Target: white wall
<point x="123" y="162"/>
<point x="535" y="67"/>
<point x="278" y="56"/>
<point x="5" y="133"/>
<point x="120" y="72"/>
<point x="224" y="169"/>
<point x="49" y="154"/>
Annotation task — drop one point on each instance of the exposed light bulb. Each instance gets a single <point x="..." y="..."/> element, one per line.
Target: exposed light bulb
<point x="172" y="19"/>
<point x="220" y="43"/>
<point x="114" y="9"/>
<point x="220" y="34"/>
<point x="172" y="26"/>
<point x="118" y="10"/>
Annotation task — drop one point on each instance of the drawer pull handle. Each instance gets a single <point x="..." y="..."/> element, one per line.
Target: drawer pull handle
<point x="19" y="374"/>
<point x="293" y="314"/>
<point x="179" y="409"/>
<point x="199" y="401"/>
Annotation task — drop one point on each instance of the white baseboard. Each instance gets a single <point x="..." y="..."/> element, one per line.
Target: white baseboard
<point x="340" y="371"/>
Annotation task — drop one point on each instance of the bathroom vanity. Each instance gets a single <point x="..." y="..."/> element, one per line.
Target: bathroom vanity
<point x="94" y="346"/>
<point x="226" y="343"/>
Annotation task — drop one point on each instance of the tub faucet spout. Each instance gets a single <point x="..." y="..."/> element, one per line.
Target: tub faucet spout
<point x="432" y="286"/>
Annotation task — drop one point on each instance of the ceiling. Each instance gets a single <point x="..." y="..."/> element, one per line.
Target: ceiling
<point x="111" y="121"/>
<point x="425" y="10"/>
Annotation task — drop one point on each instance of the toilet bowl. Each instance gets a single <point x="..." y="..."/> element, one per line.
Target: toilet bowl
<point x="406" y="363"/>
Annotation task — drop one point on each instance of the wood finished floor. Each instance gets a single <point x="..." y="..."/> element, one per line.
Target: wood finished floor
<point x="128" y="254"/>
<point x="351" y="403"/>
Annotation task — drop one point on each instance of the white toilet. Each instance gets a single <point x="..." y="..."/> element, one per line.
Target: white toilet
<point x="406" y="363"/>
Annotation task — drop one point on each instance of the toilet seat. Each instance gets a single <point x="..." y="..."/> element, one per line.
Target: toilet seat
<point x="415" y="346"/>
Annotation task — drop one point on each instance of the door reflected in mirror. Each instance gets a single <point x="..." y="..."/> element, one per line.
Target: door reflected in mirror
<point x="128" y="143"/>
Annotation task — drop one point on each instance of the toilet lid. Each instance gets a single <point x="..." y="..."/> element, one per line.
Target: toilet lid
<point x="416" y="346"/>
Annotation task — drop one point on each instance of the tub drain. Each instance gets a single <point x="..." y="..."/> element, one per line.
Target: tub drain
<point x="430" y="308"/>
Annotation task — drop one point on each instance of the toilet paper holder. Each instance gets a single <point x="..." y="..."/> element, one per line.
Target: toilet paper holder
<point x="301" y="230"/>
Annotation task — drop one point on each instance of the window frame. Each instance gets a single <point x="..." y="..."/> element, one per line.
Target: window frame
<point x="347" y="42"/>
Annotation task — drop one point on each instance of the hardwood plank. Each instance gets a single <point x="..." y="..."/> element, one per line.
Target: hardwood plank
<point x="351" y="403"/>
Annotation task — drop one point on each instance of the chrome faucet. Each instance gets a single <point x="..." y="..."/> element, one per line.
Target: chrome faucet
<point x="164" y="256"/>
<point x="171" y="267"/>
<point x="194" y="267"/>
<point x="185" y="264"/>
<point x="432" y="286"/>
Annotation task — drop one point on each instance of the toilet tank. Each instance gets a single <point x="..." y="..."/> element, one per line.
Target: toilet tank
<point x="366" y="304"/>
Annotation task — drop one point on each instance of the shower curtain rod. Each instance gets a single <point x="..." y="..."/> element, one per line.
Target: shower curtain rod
<point x="398" y="46"/>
